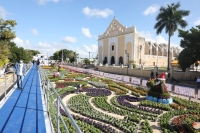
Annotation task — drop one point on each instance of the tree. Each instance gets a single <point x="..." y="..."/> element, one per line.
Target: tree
<point x="86" y="61"/>
<point x="190" y="42"/>
<point x="6" y="27"/>
<point x="6" y="34"/>
<point x="184" y="60"/>
<point x="170" y="18"/>
<point x="4" y="53"/>
<point x="17" y="53"/>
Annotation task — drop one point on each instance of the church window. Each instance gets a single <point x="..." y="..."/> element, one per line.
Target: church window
<point x="112" y="47"/>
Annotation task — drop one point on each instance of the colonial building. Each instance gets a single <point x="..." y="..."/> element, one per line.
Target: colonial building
<point x="119" y="44"/>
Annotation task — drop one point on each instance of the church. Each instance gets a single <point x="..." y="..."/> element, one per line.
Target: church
<point x="120" y="44"/>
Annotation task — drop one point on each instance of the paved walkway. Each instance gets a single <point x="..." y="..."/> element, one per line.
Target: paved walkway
<point x="24" y="111"/>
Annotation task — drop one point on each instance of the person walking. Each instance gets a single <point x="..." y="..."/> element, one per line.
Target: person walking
<point x="20" y="71"/>
<point x="38" y="63"/>
<point x="78" y="88"/>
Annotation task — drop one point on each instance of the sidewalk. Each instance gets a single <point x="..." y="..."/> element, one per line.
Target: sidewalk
<point x="25" y="111"/>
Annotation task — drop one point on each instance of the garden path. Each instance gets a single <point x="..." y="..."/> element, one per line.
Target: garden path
<point x="66" y="99"/>
<point x="111" y="96"/>
<point x="105" y="112"/>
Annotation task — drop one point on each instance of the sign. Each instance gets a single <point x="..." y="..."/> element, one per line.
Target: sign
<point x="97" y="72"/>
<point x="89" y="71"/>
<point x="135" y="81"/>
<point x="101" y="73"/>
<point x="126" y="79"/>
<point x="106" y="75"/>
<point x="144" y="82"/>
<point x="112" y="76"/>
<point x="118" y="77"/>
<point x="169" y="87"/>
<point x="186" y="91"/>
<point x="86" y="70"/>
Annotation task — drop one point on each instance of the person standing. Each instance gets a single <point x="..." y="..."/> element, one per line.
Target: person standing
<point x="78" y="88"/>
<point x="20" y="71"/>
<point x="38" y="63"/>
<point x="152" y="75"/>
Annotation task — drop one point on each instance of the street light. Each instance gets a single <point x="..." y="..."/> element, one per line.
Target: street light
<point x="140" y="49"/>
<point x="157" y="57"/>
<point x="128" y="60"/>
<point x="78" y="58"/>
<point x="89" y="56"/>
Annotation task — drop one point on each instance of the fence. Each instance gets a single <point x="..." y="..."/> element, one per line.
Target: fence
<point x="7" y="82"/>
<point x="52" y="100"/>
<point x="176" y="89"/>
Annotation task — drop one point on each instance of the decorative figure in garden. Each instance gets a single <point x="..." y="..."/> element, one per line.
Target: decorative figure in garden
<point x="78" y="88"/>
<point x="158" y="90"/>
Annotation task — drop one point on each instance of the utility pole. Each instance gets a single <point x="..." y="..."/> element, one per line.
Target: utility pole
<point x="128" y="60"/>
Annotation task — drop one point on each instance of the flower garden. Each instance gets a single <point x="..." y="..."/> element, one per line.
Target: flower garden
<point x="108" y="106"/>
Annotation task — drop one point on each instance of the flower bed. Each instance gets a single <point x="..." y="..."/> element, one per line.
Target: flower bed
<point x="98" y="84"/>
<point x="97" y="92"/>
<point x="117" y="91"/>
<point x="140" y="90"/>
<point x="80" y="104"/>
<point x="104" y="105"/>
<point x="143" y="114"/>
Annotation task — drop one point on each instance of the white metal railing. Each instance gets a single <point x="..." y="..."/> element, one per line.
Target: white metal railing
<point x="54" y="103"/>
<point x="7" y="82"/>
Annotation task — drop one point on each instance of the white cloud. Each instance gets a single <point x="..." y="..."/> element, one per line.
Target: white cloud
<point x="152" y="9"/>
<point x="42" y="2"/>
<point x="197" y="22"/>
<point x="159" y="39"/>
<point x="86" y="32"/>
<point x="84" y="50"/>
<point x="20" y="43"/>
<point x="97" y="13"/>
<point x="69" y="39"/>
<point x="34" y="32"/>
<point x="92" y="48"/>
<point x="149" y="37"/>
<point x="51" y="47"/>
<point x="3" y="12"/>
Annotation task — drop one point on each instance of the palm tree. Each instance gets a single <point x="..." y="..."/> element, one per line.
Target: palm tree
<point x="170" y="18"/>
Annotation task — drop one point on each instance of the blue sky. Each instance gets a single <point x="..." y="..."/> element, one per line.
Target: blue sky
<point x="50" y="25"/>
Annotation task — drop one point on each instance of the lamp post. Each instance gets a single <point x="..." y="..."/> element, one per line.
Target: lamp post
<point x="140" y="49"/>
<point x="77" y="59"/>
<point x="89" y="56"/>
<point x="128" y="60"/>
<point x="62" y="56"/>
<point x="157" y="57"/>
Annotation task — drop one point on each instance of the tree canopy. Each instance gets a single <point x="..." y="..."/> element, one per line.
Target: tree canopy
<point x="4" y="53"/>
<point x="65" y="55"/>
<point x="190" y="43"/>
<point x="170" y="18"/>
<point x="6" y="34"/>
<point x="17" y="53"/>
<point x="6" y="30"/>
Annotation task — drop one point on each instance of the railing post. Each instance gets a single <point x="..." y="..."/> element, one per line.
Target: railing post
<point x="58" y="115"/>
<point x="5" y="85"/>
<point x="13" y="77"/>
<point x="47" y="95"/>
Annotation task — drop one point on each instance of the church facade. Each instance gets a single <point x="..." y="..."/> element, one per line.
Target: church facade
<point x="120" y="45"/>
